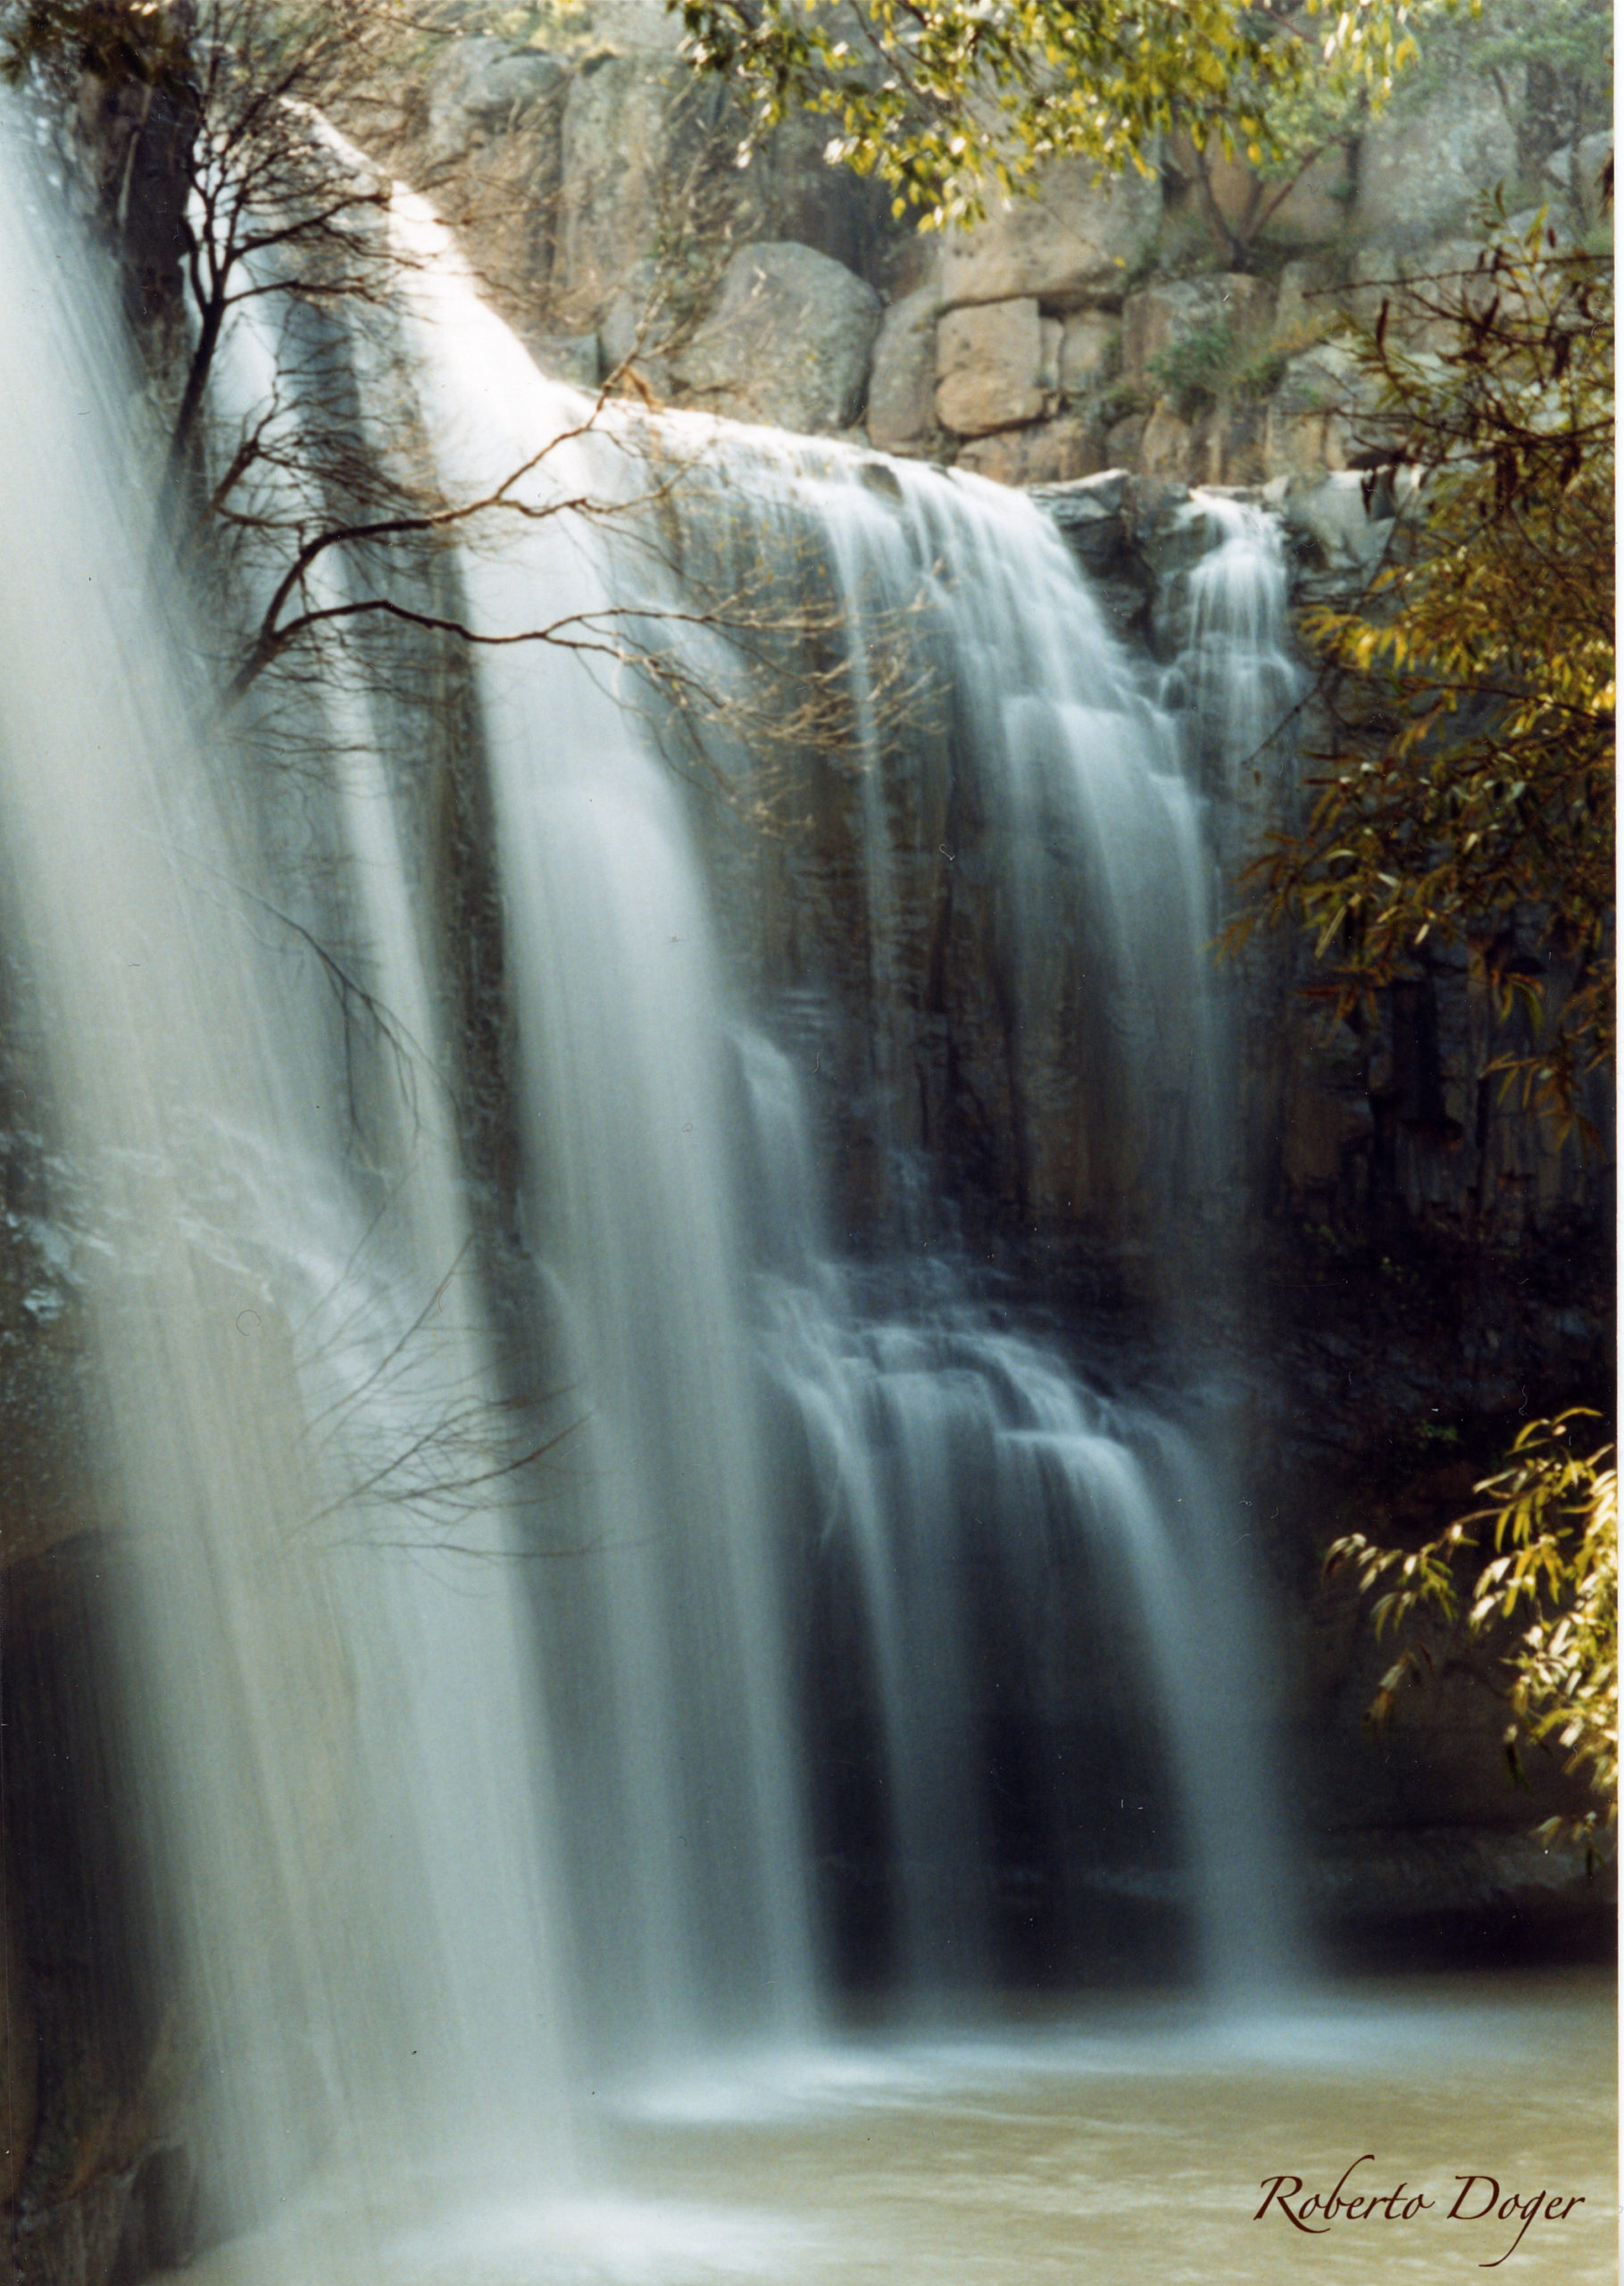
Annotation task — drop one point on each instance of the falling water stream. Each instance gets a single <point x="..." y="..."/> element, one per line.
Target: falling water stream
<point x="343" y="1750"/>
<point x="492" y="1822"/>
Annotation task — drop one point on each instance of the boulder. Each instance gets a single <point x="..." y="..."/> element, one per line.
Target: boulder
<point x="1167" y="449"/>
<point x="1578" y="169"/>
<point x="632" y="336"/>
<point x="1123" y="441"/>
<point x="1444" y="269"/>
<point x="1094" y="514"/>
<point x="1332" y="513"/>
<point x="1230" y="444"/>
<point x="1314" y="416"/>
<point x="630" y="322"/>
<point x="1052" y="334"/>
<point x="901" y="380"/>
<point x="990" y="368"/>
<point x="650" y="173"/>
<point x="787" y="343"/>
<point x="633" y="25"/>
<point x="1053" y="452"/>
<point x="1068" y="245"/>
<point x="484" y="138"/>
<point x="573" y="357"/>
<point x="1308" y="211"/>
<point x="1307" y="301"/>
<point x="1422" y="173"/>
<point x="1316" y="207"/>
<point x="795" y="194"/>
<point x="480" y="89"/>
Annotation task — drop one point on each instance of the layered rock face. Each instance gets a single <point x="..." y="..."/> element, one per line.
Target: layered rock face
<point x="602" y="204"/>
<point x="1174" y="322"/>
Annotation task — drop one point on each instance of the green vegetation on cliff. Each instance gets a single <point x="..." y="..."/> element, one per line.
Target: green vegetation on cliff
<point x="945" y="101"/>
<point x="1475" y="802"/>
<point x="1545" y="1605"/>
<point x="1478" y="804"/>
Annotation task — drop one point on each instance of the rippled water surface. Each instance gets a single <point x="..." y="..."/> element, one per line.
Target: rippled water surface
<point x="1095" y="2148"/>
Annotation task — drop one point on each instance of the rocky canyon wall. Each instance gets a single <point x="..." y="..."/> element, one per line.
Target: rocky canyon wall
<point x="1175" y="322"/>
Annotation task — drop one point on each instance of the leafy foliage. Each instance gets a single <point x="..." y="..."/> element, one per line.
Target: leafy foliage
<point x="1554" y="1520"/>
<point x="1196" y="370"/>
<point x="1470" y="797"/>
<point x="1483" y="809"/>
<point x="945" y="99"/>
<point x="1306" y="117"/>
<point x="1215" y="364"/>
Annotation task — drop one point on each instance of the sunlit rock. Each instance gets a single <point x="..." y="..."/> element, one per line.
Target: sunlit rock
<point x="1071" y="243"/>
<point x="1049" y="452"/>
<point x="1090" y="354"/>
<point x="1304" y="210"/>
<point x="1419" y="176"/>
<point x="901" y="380"/>
<point x="480" y="89"/>
<point x="1158" y="318"/>
<point x="634" y="131"/>
<point x="1314" y="415"/>
<point x="990" y="367"/>
<point x="787" y="341"/>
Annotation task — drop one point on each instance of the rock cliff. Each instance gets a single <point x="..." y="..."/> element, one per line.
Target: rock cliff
<point x="1174" y="322"/>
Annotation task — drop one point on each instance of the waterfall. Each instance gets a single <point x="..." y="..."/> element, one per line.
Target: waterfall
<point x="953" y="1460"/>
<point x="1002" y="782"/>
<point x="340" y="1750"/>
<point x="1233" y="671"/>
<point x="862" y="1075"/>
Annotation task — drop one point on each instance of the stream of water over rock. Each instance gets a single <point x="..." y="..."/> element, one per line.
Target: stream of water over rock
<point x="483" y="1765"/>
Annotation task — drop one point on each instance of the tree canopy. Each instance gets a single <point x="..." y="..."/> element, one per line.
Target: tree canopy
<point x="1544" y="1606"/>
<point x="944" y="99"/>
<point x="1477" y="802"/>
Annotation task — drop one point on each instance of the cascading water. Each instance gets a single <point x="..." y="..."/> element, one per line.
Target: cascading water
<point x="916" y="1441"/>
<point x="683" y="1804"/>
<point x="979" y="1487"/>
<point x="338" y="1779"/>
<point x="1005" y="796"/>
<point x="770" y="1437"/>
<point x="1242" y="682"/>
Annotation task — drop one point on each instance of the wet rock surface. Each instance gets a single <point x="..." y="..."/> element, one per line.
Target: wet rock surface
<point x="93" y="2074"/>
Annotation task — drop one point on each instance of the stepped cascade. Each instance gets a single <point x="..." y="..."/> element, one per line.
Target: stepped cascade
<point x="596" y="1596"/>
